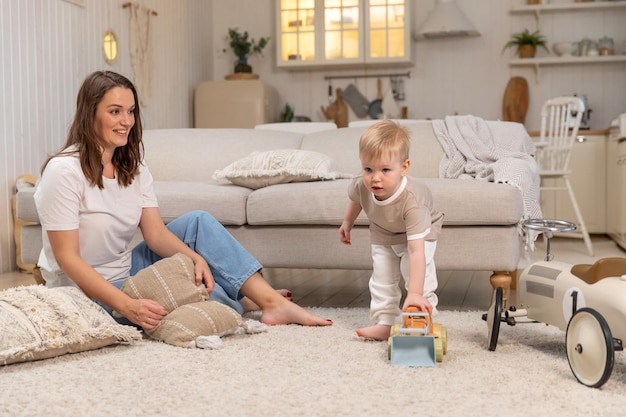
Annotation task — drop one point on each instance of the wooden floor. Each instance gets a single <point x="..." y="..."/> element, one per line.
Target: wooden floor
<point x="458" y="290"/>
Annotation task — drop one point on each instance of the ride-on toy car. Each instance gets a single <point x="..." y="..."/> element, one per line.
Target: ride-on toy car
<point x="587" y="301"/>
<point x="417" y="341"/>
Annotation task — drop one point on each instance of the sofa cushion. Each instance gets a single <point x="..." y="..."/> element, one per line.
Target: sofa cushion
<point x="472" y="202"/>
<point x="279" y="166"/>
<point x="464" y="202"/>
<point x="319" y="203"/>
<point x="195" y="154"/>
<point x="343" y="146"/>
<point x="226" y="202"/>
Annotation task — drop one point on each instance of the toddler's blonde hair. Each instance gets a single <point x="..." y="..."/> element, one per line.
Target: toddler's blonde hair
<point x="385" y="138"/>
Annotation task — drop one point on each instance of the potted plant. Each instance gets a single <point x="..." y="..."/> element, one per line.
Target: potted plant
<point x="243" y="46"/>
<point x="526" y="43"/>
<point x="287" y="114"/>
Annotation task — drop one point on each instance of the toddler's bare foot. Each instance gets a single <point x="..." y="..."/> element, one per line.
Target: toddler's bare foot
<point x="288" y="312"/>
<point x="250" y="305"/>
<point x="377" y="332"/>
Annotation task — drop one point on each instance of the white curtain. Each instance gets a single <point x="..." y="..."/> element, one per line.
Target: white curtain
<point x="141" y="50"/>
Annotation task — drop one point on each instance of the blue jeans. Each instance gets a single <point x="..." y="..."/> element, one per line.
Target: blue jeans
<point x="230" y="264"/>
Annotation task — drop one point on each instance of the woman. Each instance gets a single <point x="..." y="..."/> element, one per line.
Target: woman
<point x="93" y="195"/>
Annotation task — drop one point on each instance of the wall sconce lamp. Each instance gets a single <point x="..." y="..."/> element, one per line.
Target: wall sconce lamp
<point x="109" y="46"/>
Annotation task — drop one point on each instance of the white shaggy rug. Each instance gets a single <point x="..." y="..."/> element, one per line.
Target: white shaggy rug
<point x="326" y="371"/>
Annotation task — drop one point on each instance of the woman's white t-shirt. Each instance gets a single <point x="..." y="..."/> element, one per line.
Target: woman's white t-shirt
<point x="107" y="219"/>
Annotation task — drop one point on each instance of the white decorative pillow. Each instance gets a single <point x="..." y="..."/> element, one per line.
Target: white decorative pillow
<point x="260" y="169"/>
<point x="37" y="322"/>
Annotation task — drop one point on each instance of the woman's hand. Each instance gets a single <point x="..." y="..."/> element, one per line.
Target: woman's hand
<point x="203" y="274"/>
<point x="146" y="313"/>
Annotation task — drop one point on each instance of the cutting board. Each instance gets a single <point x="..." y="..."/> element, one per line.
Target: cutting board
<point x="515" y="101"/>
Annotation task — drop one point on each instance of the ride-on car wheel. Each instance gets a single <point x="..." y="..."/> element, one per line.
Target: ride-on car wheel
<point x="589" y="346"/>
<point x="493" y="318"/>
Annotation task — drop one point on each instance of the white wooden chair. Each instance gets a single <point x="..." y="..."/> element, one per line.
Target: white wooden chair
<point x="560" y="120"/>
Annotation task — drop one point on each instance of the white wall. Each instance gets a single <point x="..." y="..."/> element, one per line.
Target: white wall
<point x="467" y="76"/>
<point x="49" y="46"/>
<point x="47" y="49"/>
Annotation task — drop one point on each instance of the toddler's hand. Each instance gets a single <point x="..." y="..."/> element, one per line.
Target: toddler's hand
<point x="344" y="235"/>
<point x="418" y="301"/>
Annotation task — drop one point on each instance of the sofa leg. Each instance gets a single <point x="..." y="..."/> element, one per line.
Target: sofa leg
<point x="513" y="279"/>
<point x="502" y="279"/>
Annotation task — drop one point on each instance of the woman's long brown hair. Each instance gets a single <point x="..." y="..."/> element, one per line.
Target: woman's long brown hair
<point x="83" y="135"/>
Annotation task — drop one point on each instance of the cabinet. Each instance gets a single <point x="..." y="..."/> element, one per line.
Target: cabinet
<point x="234" y="104"/>
<point x="616" y="189"/>
<point x="318" y="33"/>
<point x="588" y="180"/>
<point x="538" y="9"/>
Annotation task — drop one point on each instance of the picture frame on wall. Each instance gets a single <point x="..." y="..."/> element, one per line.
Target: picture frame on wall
<point x="80" y="3"/>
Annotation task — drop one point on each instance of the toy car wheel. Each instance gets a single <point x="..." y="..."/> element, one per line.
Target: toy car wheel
<point x="589" y="346"/>
<point x="395" y="330"/>
<point x="493" y="318"/>
<point x="441" y="332"/>
<point x="444" y="339"/>
<point x="439" y="349"/>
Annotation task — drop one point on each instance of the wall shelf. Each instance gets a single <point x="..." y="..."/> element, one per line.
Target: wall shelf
<point x="537" y="9"/>
<point x="536" y="63"/>
<point x="561" y="7"/>
<point x="560" y="60"/>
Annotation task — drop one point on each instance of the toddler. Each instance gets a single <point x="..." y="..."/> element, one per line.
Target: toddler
<point x="404" y="227"/>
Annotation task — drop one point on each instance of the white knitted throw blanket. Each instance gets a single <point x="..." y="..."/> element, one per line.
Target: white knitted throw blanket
<point x="473" y="150"/>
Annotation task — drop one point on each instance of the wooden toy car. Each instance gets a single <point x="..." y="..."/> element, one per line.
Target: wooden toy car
<point x="417" y="341"/>
<point x="588" y="302"/>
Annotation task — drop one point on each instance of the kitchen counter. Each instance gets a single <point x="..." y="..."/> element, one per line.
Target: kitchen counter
<point x="580" y="132"/>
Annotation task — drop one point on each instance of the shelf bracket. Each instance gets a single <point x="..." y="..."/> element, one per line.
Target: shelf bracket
<point x="537" y="19"/>
<point x="537" y="70"/>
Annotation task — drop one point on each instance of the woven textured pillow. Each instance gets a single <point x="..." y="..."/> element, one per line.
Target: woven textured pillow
<point x="39" y="322"/>
<point x="189" y="324"/>
<point x="260" y="169"/>
<point x="171" y="282"/>
<point x="193" y="320"/>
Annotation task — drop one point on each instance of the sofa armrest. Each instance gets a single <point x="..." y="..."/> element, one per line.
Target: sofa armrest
<point x="23" y="182"/>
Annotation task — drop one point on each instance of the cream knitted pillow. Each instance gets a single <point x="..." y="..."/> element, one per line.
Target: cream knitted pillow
<point x="37" y="322"/>
<point x="260" y="169"/>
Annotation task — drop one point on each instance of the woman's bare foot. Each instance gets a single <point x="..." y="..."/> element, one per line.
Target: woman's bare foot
<point x="275" y="308"/>
<point x="288" y="312"/>
<point x="377" y="332"/>
<point x="250" y="305"/>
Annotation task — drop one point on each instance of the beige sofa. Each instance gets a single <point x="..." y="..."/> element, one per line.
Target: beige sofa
<point x="295" y="225"/>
